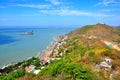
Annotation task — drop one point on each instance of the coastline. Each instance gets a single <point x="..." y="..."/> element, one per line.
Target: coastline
<point x="50" y="48"/>
<point x="27" y="46"/>
<point x="47" y="53"/>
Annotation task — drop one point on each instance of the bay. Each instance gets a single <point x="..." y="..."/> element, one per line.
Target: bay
<point x="15" y="47"/>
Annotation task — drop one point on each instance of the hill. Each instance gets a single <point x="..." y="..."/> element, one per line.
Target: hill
<point x="88" y="53"/>
<point x="101" y="31"/>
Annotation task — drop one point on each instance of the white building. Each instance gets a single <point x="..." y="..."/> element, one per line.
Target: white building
<point x="36" y="71"/>
<point x="105" y="65"/>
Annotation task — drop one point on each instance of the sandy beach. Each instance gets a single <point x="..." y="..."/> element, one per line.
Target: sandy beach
<point x="50" y="49"/>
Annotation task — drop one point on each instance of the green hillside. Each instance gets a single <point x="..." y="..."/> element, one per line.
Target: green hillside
<point x="89" y="53"/>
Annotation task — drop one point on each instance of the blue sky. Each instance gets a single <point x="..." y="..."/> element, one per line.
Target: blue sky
<point x="58" y="12"/>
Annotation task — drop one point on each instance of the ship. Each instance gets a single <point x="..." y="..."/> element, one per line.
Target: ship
<point x="27" y="33"/>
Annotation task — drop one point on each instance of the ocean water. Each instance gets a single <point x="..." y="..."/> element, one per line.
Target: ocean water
<point x="15" y="47"/>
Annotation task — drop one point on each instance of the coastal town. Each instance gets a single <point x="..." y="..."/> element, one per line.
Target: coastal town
<point x="36" y="64"/>
<point x="96" y="53"/>
<point x="42" y="60"/>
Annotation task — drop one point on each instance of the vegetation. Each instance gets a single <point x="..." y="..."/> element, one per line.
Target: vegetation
<point x="37" y="62"/>
<point x="80" y="56"/>
<point x="13" y="75"/>
<point x="17" y="70"/>
<point x="79" y="31"/>
<point x="75" y="64"/>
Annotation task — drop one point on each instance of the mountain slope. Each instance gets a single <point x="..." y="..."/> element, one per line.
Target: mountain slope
<point x="101" y="31"/>
<point x="89" y="53"/>
<point x="82" y="52"/>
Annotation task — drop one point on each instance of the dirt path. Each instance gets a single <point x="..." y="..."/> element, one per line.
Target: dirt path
<point x="115" y="46"/>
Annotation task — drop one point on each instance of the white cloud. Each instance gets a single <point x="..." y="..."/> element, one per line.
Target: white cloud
<point x="107" y="2"/>
<point x="63" y="12"/>
<point x="33" y="6"/>
<point x="109" y="10"/>
<point x="54" y="2"/>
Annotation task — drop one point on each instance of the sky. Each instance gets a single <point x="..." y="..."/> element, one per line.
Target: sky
<point x="58" y="12"/>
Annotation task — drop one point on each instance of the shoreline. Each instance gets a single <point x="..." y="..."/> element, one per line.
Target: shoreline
<point x="50" y="48"/>
<point x="46" y="53"/>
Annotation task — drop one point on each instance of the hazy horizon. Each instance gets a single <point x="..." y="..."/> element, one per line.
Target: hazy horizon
<point x="58" y="12"/>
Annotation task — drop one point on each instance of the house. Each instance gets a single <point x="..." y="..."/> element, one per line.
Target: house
<point x="45" y="61"/>
<point x="55" y="59"/>
<point x="108" y="60"/>
<point x="36" y="71"/>
<point x="61" y="54"/>
<point x="30" y="68"/>
<point x="42" y="67"/>
<point x="105" y="65"/>
<point x="92" y="37"/>
<point x="26" y="68"/>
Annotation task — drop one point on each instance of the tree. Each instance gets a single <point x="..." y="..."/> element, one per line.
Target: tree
<point x="37" y="63"/>
<point x="8" y="78"/>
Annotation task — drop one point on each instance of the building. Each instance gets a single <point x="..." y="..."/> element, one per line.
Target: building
<point x="105" y="65"/>
<point x="44" y="61"/>
<point x="36" y="71"/>
<point x="30" y="68"/>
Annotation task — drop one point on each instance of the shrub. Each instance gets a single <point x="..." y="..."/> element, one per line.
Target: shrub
<point x="82" y="52"/>
<point x="54" y="69"/>
<point x="91" y="54"/>
<point x="14" y="75"/>
<point x="37" y="63"/>
<point x="76" y="71"/>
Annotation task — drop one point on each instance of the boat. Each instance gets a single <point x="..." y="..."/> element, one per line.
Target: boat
<point x="27" y="33"/>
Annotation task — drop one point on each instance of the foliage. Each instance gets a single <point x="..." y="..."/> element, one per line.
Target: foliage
<point x="91" y="54"/>
<point x="37" y="62"/>
<point x="13" y="75"/>
<point x="54" y="68"/>
<point x="76" y="71"/>
<point x="82" y="52"/>
<point x="31" y="61"/>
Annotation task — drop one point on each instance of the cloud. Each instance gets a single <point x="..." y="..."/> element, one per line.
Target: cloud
<point x="109" y="10"/>
<point x="54" y="2"/>
<point x="107" y="2"/>
<point x="63" y="12"/>
<point x="33" y="6"/>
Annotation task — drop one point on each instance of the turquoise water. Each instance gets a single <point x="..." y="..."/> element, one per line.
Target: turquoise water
<point x="15" y="47"/>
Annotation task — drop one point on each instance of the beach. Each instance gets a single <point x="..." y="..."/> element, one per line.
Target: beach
<point x="45" y="58"/>
<point x="27" y="46"/>
<point x="50" y="49"/>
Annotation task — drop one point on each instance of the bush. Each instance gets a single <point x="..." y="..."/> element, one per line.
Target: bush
<point x="91" y="54"/>
<point x="76" y="71"/>
<point x="54" y="69"/>
<point x="14" y="75"/>
<point x="82" y="52"/>
<point x="37" y="63"/>
<point x="8" y="78"/>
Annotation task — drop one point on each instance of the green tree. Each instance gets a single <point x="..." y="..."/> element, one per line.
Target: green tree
<point x="8" y="78"/>
<point x="91" y="54"/>
<point x="37" y="63"/>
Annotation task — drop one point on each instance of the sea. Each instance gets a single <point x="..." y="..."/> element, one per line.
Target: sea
<point x="15" y="47"/>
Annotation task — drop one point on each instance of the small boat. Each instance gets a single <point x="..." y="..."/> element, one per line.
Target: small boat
<point x="27" y="33"/>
